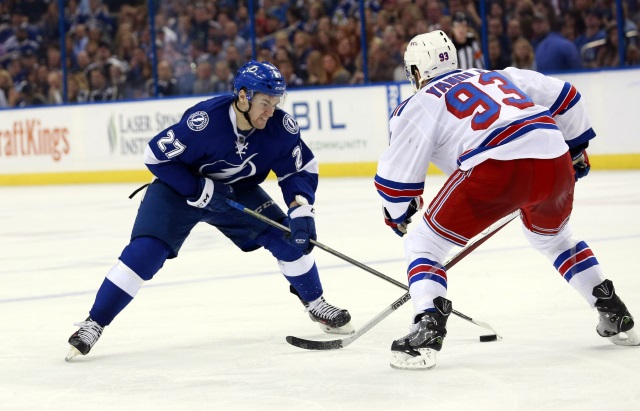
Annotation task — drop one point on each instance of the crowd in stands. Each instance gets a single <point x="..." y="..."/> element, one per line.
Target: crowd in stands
<point x="110" y="51"/>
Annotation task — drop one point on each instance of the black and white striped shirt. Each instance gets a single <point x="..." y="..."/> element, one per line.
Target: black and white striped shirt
<point x="469" y="53"/>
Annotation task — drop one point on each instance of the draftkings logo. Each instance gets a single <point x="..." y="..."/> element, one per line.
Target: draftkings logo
<point x="31" y="138"/>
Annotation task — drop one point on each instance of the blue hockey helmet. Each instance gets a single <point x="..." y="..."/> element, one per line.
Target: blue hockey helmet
<point x="260" y="77"/>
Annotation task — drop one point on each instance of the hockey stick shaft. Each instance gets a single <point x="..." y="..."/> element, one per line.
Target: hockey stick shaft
<point x="453" y="261"/>
<point x="341" y="343"/>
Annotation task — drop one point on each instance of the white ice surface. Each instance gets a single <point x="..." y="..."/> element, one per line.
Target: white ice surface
<point x="208" y="333"/>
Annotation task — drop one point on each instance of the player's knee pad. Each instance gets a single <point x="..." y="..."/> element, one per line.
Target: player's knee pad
<point x="551" y="245"/>
<point x="145" y="256"/>
<point x="273" y="240"/>
<point x="422" y="242"/>
<point x="303" y="265"/>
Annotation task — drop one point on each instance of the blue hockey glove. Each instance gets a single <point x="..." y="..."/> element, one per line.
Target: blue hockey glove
<point x="211" y="193"/>
<point x="581" y="165"/>
<point x="303" y="227"/>
<point x="399" y="225"/>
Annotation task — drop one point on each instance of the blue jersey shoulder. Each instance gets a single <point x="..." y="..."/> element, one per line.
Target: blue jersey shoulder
<point x="283" y="124"/>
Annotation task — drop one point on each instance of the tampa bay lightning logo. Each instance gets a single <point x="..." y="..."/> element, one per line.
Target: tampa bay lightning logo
<point x="227" y="172"/>
<point x="198" y="120"/>
<point x="290" y="124"/>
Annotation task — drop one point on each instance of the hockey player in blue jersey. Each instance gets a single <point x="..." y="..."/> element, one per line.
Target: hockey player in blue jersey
<point x="223" y="148"/>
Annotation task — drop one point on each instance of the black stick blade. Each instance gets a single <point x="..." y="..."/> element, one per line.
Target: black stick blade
<point x="314" y="345"/>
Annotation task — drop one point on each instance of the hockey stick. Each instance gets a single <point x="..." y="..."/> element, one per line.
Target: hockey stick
<point x="454" y="260"/>
<point x="343" y="342"/>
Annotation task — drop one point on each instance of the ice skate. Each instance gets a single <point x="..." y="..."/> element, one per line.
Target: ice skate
<point x="332" y="320"/>
<point x="417" y="350"/>
<point x="85" y="338"/>
<point x="616" y="323"/>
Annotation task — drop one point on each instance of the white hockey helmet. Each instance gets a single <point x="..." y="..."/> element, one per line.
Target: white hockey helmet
<point x="429" y="55"/>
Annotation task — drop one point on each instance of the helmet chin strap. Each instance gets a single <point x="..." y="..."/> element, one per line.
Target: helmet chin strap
<point x="245" y="113"/>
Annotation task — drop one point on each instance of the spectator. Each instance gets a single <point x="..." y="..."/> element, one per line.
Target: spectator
<point x="633" y="55"/>
<point x="54" y="61"/>
<point x="54" y="92"/>
<point x="224" y="78"/>
<point x="572" y="25"/>
<point x="232" y="37"/>
<point x="347" y="55"/>
<point x="381" y="65"/>
<point x="50" y="22"/>
<point x="301" y="50"/>
<point x="80" y="38"/>
<point x="608" y="56"/>
<point x="243" y="22"/>
<point x="14" y="67"/>
<point x="6" y="84"/>
<point x="233" y="58"/>
<point x="316" y="76"/>
<point x="496" y="29"/>
<point x="82" y="62"/>
<point x="77" y="88"/>
<point x="336" y="73"/>
<point x="394" y="43"/>
<point x="167" y="84"/>
<point x="28" y="95"/>
<point x="324" y="41"/>
<point x="382" y="21"/>
<point x="282" y="43"/>
<point x="315" y="12"/>
<point x="290" y="78"/>
<point x="553" y="52"/>
<point x="117" y="77"/>
<point x="593" y="33"/>
<point x="185" y="76"/>
<point x="498" y="59"/>
<point x="523" y="56"/>
<point x="434" y="10"/>
<point x="100" y="89"/>
<point x="204" y="79"/>
<point x="514" y="31"/>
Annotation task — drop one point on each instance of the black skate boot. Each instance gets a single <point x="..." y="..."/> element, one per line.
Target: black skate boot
<point x="85" y="338"/>
<point x="417" y="350"/>
<point x="331" y="319"/>
<point x="616" y="323"/>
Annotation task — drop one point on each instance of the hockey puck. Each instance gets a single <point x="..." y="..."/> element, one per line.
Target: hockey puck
<point x="487" y="338"/>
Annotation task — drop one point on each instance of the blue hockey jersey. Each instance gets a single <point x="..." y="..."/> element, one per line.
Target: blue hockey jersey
<point x="206" y="142"/>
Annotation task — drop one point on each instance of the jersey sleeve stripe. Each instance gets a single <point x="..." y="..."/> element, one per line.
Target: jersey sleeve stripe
<point x="400" y="107"/>
<point x="568" y="97"/>
<point x="582" y="138"/>
<point x="395" y="192"/>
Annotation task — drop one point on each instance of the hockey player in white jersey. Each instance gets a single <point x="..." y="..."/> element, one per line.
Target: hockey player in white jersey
<point x="509" y="140"/>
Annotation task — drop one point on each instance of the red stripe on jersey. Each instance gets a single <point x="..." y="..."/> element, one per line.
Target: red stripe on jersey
<point x="506" y="133"/>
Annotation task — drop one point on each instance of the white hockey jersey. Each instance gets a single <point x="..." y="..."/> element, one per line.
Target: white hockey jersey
<point x="464" y="117"/>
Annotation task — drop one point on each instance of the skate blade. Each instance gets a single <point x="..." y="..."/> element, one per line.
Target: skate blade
<point x="345" y="329"/>
<point x="632" y="338"/>
<point x="73" y="353"/>
<point x="425" y="361"/>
